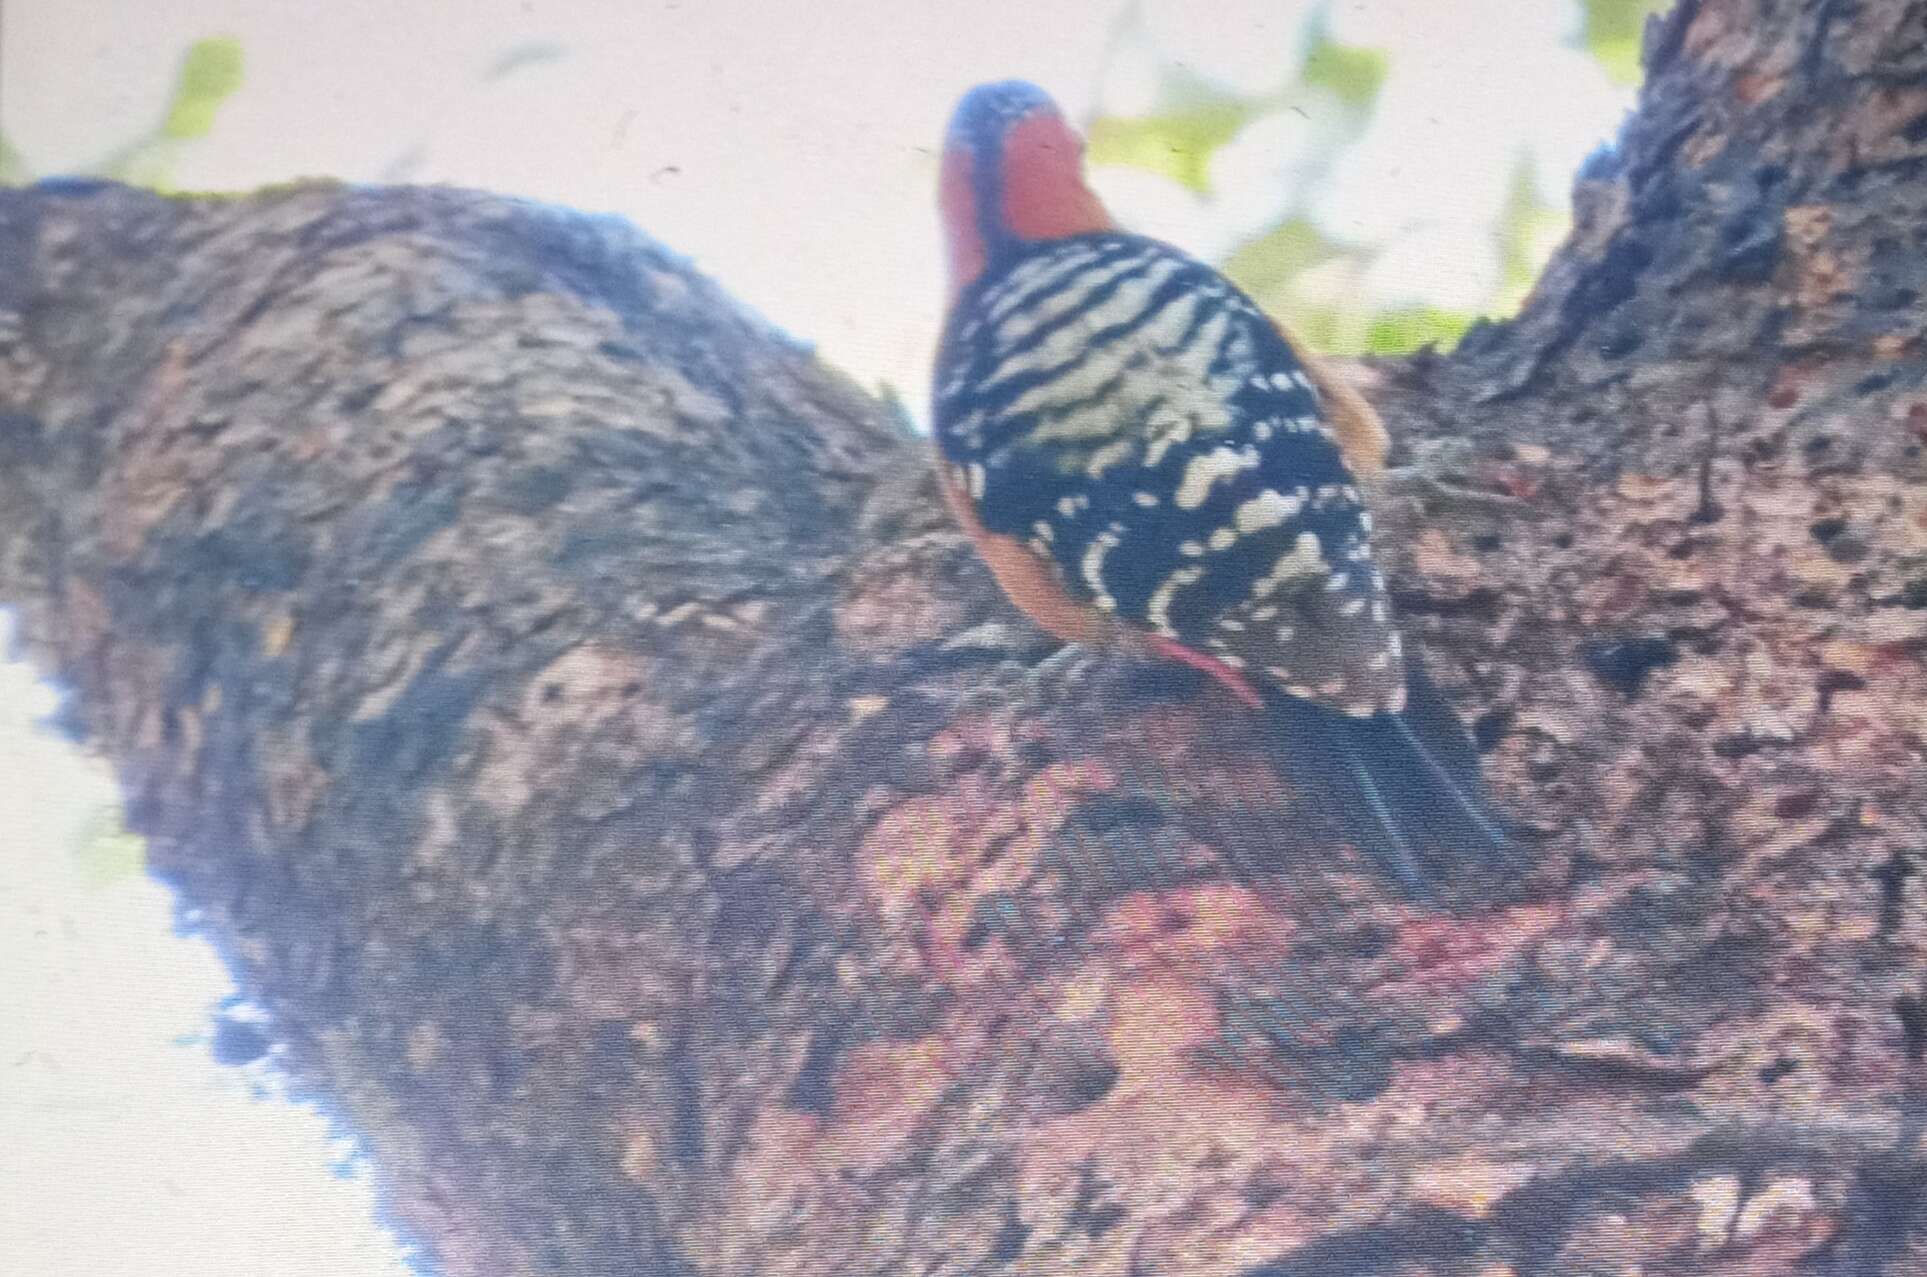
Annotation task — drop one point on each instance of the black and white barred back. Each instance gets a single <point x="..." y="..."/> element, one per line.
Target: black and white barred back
<point x="1136" y="420"/>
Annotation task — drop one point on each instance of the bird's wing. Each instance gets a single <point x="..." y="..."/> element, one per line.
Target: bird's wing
<point x="1131" y="417"/>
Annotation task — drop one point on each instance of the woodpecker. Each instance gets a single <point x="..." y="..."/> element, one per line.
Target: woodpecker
<point x="1142" y="458"/>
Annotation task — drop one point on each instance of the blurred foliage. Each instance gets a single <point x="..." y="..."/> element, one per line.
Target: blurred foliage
<point x="1179" y="141"/>
<point x="211" y="72"/>
<point x="13" y="169"/>
<point x="106" y="853"/>
<point x="1195" y="119"/>
<point x="1611" y="32"/>
<point x="1351" y="74"/>
<point x="1315" y="283"/>
<point x="1265" y="265"/>
<point x="1402" y="328"/>
<point x="1528" y="231"/>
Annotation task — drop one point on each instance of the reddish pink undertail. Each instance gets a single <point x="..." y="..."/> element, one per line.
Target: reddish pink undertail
<point x="1238" y="684"/>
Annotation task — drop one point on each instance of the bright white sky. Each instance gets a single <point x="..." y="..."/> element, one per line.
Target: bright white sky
<point x="789" y="148"/>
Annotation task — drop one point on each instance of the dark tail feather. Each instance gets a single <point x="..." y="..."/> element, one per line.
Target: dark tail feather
<point x="1375" y="820"/>
<point x="1405" y="786"/>
<point x="1437" y="736"/>
<point x="1433" y="721"/>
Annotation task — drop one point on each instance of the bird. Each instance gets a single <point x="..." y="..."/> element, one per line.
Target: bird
<point x="1144" y="459"/>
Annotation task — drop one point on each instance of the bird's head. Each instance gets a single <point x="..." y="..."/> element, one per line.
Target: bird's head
<point x="1013" y="173"/>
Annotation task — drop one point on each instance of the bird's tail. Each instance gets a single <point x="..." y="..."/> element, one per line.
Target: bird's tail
<point x="1405" y="787"/>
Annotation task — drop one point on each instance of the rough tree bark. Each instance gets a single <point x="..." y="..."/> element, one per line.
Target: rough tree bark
<point x="567" y="705"/>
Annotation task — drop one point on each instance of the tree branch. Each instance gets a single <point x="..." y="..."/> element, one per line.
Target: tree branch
<point x="568" y="706"/>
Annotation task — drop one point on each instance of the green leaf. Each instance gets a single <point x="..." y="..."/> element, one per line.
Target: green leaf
<point x="1318" y="327"/>
<point x="1352" y="329"/>
<point x="1528" y="230"/>
<point x="13" y="169"/>
<point x="1177" y="143"/>
<point x="1408" y="328"/>
<point x="106" y="853"/>
<point x="1610" y="31"/>
<point x="210" y="73"/>
<point x="1265" y="265"/>
<point x="1351" y="73"/>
